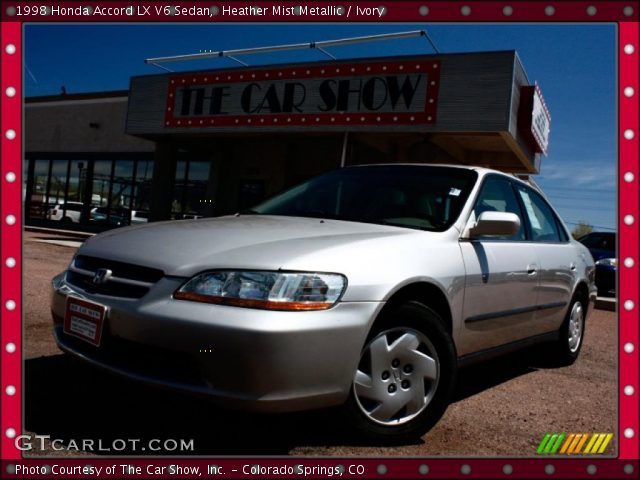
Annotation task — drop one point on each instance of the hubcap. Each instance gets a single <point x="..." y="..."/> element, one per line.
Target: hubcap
<point x="576" y="326"/>
<point x="414" y="368"/>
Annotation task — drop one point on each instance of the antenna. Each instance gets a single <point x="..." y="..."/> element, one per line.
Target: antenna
<point x="320" y="46"/>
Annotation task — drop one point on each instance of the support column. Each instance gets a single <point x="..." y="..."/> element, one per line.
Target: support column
<point x="164" y="172"/>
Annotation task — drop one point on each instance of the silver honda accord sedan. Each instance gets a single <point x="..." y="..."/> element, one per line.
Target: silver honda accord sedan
<point x="367" y="287"/>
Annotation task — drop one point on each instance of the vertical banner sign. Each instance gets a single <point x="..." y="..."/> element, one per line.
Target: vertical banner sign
<point x="534" y="119"/>
<point x="372" y="94"/>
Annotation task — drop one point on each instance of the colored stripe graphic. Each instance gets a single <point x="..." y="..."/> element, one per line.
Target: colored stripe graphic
<point x="605" y="442"/>
<point x="567" y="442"/>
<point x="543" y="443"/>
<point x="555" y="447"/>
<point x="573" y="443"/>
<point x="550" y="443"/>
<point x="576" y="439"/>
<point x="582" y="442"/>
<point x="591" y="442"/>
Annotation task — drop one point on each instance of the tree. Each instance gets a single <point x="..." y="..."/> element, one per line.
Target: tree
<point x="581" y="229"/>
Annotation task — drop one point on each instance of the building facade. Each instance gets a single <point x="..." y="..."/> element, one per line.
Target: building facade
<point x="209" y="143"/>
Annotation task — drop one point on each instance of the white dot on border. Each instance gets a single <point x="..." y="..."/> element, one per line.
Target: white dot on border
<point x="465" y="469"/>
<point x="628" y="469"/>
<point x="10" y="219"/>
<point x="10" y="262"/>
<point x="628" y="347"/>
<point x="629" y="49"/>
<point x="549" y="469"/>
<point x="10" y="92"/>
<point x="10" y="134"/>
<point x="10" y="347"/>
<point x="423" y="10"/>
<point x="628" y="11"/>
<point x="629" y="390"/>
<point x="507" y="469"/>
<point x="591" y="10"/>
<point x="629" y="433"/>
<point x="465" y="10"/>
<point x="507" y="11"/>
<point x="10" y="432"/>
<point x="629" y="134"/>
<point x="628" y="177"/>
<point x="629" y="91"/>
<point x="10" y="305"/>
<point x="628" y="305"/>
<point x="10" y="390"/>
<point x="10" y="177"/>
<point x="628" y="219"/>
<point x="549" y="10"/>
<point x="628" y="262"/>
<point x="10" y="49"/>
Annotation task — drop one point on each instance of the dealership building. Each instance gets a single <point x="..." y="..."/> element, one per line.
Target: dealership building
<point x="208" y="143"/>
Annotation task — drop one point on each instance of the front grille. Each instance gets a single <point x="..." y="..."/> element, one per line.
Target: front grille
<point x="145" y="360"/>
<point x="127" y="280"/>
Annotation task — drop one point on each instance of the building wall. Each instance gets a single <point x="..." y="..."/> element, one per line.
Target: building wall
<point x="76" y="125"/>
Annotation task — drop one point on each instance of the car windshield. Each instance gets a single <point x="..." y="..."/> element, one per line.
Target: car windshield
<point x="411" y="196"/>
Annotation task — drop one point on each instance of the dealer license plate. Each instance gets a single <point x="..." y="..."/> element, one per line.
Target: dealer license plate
<point x="84" y="319"/>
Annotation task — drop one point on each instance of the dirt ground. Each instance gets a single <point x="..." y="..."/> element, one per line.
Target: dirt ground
<point x="501" y="408"/>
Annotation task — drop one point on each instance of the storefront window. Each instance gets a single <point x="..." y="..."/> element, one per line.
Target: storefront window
<point x="142" y="188"/>
<point x="190" y="189"/>
<point x="58" y="184"/>
<point x="197" y="179"/>
<point x="38" y="204"/>
<point x="118" y="191"/>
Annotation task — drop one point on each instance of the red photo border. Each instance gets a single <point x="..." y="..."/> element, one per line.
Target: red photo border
<point x="625" y="465"/>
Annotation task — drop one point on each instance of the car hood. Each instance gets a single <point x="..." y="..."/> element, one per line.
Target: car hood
<point x="186" y="247"/>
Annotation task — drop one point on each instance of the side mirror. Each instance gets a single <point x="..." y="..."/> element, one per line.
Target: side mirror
<point x="494" y="224"/>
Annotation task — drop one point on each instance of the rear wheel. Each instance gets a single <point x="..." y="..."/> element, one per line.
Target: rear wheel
<point x="571" y="337"/>
<point x="405" y="376"/>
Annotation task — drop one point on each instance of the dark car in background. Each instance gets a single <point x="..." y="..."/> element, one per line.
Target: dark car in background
<point x="602" y="246"/>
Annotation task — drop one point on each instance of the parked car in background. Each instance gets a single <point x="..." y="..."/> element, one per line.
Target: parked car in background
<point x="119" y="216"/>
<point x="65" y="212"/>
<point x="602" y="246"/>
<point x="367" y="287"/>
<point x="139" y="217"/>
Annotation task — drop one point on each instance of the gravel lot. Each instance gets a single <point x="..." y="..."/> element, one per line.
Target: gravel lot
<point x="502" y="408"/>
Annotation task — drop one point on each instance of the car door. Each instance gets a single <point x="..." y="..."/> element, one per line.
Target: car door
<point x="556" y="258"/>
<point x="501" y="276"/>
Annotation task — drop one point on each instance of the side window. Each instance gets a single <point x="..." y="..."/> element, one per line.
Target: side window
<point x="497" y="195"/>
<point x="544" y="227"/>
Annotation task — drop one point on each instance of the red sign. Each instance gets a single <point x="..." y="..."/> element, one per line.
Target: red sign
<point x="380" y="93"/>
<point x="534" y="118"/>
<point x="84" y="320"/>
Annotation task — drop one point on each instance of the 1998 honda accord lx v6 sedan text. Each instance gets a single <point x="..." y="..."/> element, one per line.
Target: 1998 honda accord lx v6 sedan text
<point x="366" y="287"/>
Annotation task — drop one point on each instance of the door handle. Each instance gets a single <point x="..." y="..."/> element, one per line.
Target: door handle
<point x="532" y="269"/>
<point x="572" y="266"/>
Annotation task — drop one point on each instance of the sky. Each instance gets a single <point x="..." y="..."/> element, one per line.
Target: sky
<point x="575" y="66"/>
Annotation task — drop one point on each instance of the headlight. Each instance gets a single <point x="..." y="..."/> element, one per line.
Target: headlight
<point x="608" y="262"/>
<point x="266" y="290"/>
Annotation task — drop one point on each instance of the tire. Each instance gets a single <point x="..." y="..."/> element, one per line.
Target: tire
<point x="66" y="220"/>
<point x="571" y="334"/>
<point x="405" y="377"/>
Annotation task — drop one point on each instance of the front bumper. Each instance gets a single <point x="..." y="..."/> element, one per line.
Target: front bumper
<point x="254" y="359"/>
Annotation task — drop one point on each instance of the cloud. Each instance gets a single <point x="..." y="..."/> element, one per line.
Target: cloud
<point x="574" y="175"/>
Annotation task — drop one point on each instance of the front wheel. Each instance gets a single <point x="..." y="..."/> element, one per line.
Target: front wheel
<point x="405" y="377"/>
